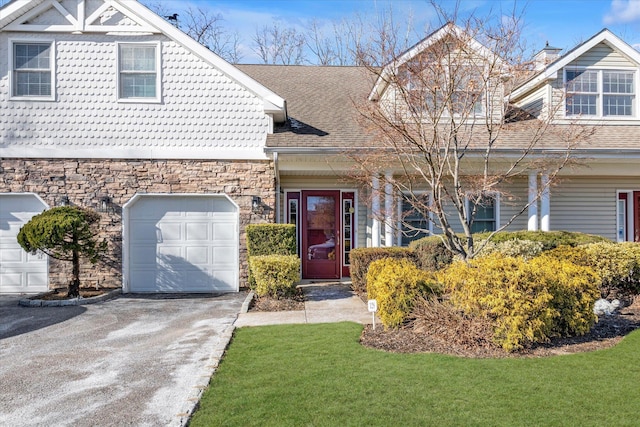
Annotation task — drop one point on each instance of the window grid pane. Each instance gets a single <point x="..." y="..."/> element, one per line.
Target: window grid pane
<point x="138" y="77"/>
<point x="617" y="82"/>
<point x="618" y="105"/>
<point x="32" y="69"/>
<point x="582" y="81"/>
<point x="582" y="104"/>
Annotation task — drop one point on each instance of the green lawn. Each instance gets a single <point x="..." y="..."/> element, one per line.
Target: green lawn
<point x="319" y="375"/>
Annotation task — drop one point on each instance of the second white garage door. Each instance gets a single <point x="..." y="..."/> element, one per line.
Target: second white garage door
<point x="181" y="243"/>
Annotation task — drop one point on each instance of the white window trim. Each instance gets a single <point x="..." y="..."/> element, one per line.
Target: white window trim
<point x="496" y="197"/>
<point x="52" y="64"/>
<point x="628" y="214"/>
<point x="151" y="100"/>
<point x="600" y="93"/>
<point x="399" y="219"/>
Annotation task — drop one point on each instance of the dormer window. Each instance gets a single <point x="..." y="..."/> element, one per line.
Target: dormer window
<point x="600" y="93"/>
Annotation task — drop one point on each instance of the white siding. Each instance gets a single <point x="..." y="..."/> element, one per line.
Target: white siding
<point x="588" y="204"/>
<point x="602" y="55"/>
<point x="203" y="113"/>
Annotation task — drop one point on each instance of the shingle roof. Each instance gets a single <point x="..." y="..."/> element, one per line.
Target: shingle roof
<point x="323" y="114"/>
<point x="320" y="103"/>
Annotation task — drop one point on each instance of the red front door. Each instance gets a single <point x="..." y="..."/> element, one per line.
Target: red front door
<point x="320" y="228"/>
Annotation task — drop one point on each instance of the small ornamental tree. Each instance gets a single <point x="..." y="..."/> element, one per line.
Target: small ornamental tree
<point x="65" y="233"/>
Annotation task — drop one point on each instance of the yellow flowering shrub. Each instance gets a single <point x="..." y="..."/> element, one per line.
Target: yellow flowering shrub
<point x="395" y="284"/>
<point x="527" y="301"/>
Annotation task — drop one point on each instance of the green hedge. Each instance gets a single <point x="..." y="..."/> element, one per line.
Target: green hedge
<point x="549" y="239"/>
<point x="617" y="264"/>
<point x="270" y="239"/>
<point x="362" y="257"/>
<point x="275" y="275"/>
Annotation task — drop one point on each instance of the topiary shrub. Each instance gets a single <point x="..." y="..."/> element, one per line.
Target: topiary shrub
<point x="513" y="248"/>
<point x="361" y="258"/>
<point x="66" y="233"/>
<point x="270" y="239"/>
<point x="395" y="284"/>
<point x="275" y="275"/>
<point x="431" y="253"/>
<point x="527" y="301"/>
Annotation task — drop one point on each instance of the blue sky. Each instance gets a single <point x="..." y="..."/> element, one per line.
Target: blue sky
<point x="563" y="23"/>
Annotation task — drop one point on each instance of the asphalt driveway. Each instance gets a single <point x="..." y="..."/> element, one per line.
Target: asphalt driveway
<point x="131" y="361"/>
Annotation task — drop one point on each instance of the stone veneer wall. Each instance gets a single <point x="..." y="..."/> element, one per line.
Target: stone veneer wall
<point x="85" y="182"/>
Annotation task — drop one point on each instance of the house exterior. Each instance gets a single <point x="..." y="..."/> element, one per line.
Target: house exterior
<point x="105" y="105"/>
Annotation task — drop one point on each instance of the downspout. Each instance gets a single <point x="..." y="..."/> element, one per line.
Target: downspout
<point x="277" y="173"/>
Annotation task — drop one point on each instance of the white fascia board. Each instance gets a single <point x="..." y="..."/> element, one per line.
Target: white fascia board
<point x="145" y="153"/>
<point x="15" y="9"/>
<point x="551" y="72"/>
<point x="207" y="55"/>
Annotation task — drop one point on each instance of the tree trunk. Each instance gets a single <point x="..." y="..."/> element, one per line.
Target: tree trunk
<point x="74" y="286"/>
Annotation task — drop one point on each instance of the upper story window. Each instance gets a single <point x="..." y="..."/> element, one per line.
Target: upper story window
<point x="457" y="93"/>
<point x="138" y="75"/>
<point x="598" y="93"/>
<point x="32" y="70"/>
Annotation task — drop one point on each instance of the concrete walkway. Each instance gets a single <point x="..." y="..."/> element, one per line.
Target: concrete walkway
<point x="325" y="303"/>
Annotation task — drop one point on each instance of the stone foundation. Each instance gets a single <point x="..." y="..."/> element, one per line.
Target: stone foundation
<point x="86" y="182"/>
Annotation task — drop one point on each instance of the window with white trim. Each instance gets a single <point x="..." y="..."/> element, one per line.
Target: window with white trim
<point x="413" y="218"/>
<point x="606" y="93"/>
<point x="486" y="214"/>
<point x="33" y="66"/>
<point x="139" y="78"/>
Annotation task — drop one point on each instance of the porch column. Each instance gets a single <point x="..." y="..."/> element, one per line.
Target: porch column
<point x="375" y="210"/>
<point x="533" y="202"/>
<point x="545" y="203"/>
<point x="388" y="209"/>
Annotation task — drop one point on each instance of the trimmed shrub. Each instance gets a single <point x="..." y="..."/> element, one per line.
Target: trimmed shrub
<point x="431" y="254"/>
<point x="617" y="264"/>
<point x="549" y="239"/>
<point x="275" y="275"/>
<point x="513" y="248"/>
<point x="270" y="239"/>
<point x="395" y="284"/>
<point x="361" y="258"/>
<point x="527" y="301"/>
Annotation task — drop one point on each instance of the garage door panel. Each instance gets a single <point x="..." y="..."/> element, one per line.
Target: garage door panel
<point x="196" y="231"/>
<point x="170" y="231"/>
<point x="196" y="249"/>
<point x="9" y="254"/>
<point x="197" y="255"/>
<point x="144" y="232"/>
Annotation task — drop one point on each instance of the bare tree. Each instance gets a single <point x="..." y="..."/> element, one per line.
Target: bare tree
<point x="442" y="116"/>
<point x="276" y="44"/>
<point x="205" y="27"/>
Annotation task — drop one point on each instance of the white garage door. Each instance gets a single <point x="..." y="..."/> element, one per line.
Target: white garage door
<point x="181" y="243"/>
<point x="19" y="270"/>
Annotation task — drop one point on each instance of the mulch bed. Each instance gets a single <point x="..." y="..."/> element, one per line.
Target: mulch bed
<point x="433" y="335"/>
<point x="267" y="303"/>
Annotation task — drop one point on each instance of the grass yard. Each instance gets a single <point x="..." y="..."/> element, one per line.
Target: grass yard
<point x="319" y="375"/>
